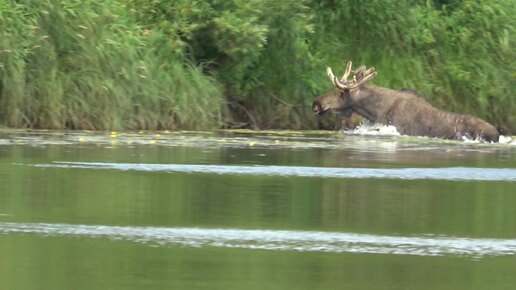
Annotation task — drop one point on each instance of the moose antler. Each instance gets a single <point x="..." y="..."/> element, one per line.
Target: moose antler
<point x="362" y="75"/>
<point x="342" y="82"/>
<point x="344" y="78"/>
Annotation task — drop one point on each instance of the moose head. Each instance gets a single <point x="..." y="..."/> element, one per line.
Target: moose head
<point x="341" y="98"/>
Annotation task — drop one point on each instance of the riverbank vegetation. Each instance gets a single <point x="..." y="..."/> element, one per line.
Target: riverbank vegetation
<point x="186" y="64"/>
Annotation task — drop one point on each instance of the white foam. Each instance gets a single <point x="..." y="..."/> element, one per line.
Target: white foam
<point x="507" y="140"/>
<point x="367" y="128"/>
<point x="277" y="240"/>
<point x="440" y="173"/>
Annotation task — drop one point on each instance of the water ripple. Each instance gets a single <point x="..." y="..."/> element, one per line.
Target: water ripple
<point x="442" y="173"/>
<point x="276" y="240"/>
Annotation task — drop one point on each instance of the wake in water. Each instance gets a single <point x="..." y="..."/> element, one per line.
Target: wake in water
<point x="443" y="173"/>
<point x="367" y="128"/>
<point x="276" y="240"/>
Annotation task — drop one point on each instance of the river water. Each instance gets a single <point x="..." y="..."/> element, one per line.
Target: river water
<point x="255" y="210"/>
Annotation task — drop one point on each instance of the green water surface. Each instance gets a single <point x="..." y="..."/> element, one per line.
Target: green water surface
<point x="32" y="194"/>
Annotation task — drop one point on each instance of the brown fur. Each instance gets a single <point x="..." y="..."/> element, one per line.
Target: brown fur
<point x="406" y="110"/>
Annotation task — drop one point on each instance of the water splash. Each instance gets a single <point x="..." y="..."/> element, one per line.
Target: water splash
<point x="444" y="173"/>
<point x="241" y="138"/>
<point x="507" y="140"/>
<point x="368" y="128"/>
<point x="276" y="240"/>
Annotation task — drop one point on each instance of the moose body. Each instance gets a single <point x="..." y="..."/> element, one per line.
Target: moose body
<point x="404" y="109"/>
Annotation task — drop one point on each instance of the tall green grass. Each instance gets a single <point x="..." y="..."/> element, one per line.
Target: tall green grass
<point x="89" y="65"/>
<point x="139" y="64"/>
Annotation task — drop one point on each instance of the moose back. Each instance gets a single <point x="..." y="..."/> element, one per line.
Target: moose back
<point x="404" y="109"/>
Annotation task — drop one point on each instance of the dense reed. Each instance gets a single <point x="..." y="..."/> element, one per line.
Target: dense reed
<point x="89" y="65"/>
<point x="136" y="64"/>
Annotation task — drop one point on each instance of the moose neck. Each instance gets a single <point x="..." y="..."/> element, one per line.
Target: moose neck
<point x="371" y="102"/>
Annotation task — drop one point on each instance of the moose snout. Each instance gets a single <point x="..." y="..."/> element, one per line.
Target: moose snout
<point x="317" y="108"/>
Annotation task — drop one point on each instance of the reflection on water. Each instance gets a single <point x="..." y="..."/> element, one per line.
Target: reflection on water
<point x="310" y="241"/>
<point x="254" y="210"/>
<point x="449" y="173"/>
<point x="360" y="138"/>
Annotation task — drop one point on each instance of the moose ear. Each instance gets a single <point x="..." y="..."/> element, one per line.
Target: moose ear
<point x="344" y="92"/>
<point x="360" y="73"/>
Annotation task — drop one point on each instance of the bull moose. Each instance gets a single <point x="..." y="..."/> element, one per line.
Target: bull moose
<point x="404" y="109"/>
